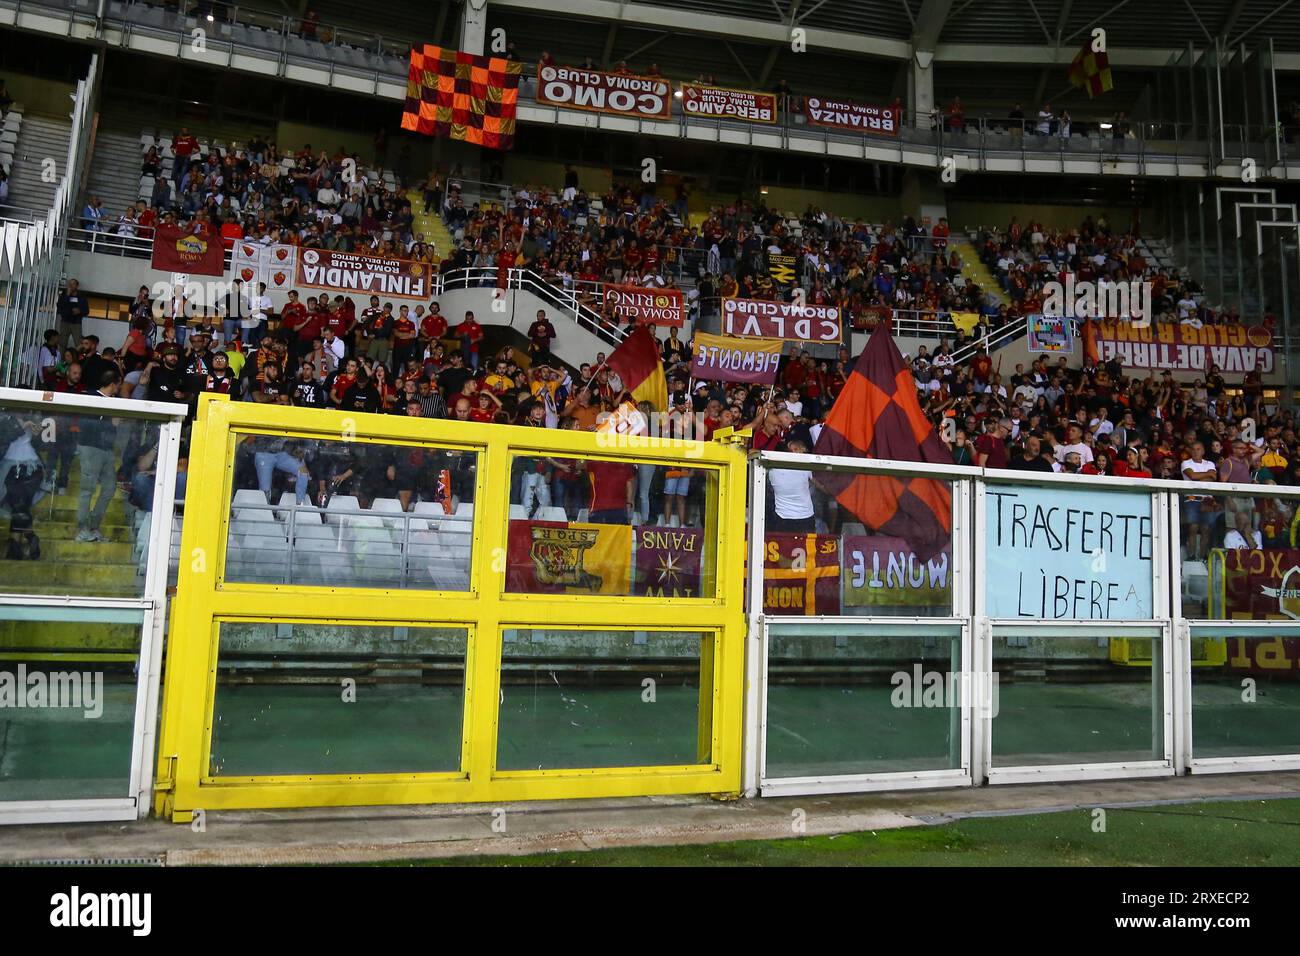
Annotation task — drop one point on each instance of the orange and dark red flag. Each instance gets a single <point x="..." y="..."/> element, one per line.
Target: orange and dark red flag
<point x="637" y="363"/>
<point x="1090" y="70"/>
<point x="877" y="415"/>
<point x="467" y="97"/>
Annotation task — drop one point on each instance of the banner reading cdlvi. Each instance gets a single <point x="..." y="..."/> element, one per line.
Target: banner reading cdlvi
<point x="1067" y="553"/>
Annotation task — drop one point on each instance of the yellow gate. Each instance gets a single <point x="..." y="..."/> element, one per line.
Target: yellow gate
<point x="378" y="609"/>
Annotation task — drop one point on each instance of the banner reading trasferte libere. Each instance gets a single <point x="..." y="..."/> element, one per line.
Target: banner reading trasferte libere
<point x="622" y="94"/>
<point x="723" y="103"/>
<point x="350" y="272"/>
<point x="845" y="114"/>
<point x="757" y="318"/>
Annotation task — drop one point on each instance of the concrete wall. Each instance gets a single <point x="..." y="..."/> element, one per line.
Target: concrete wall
<point x="967" y="215"/>
<point x="870" y="208"/>
<point x="40" y="95"/>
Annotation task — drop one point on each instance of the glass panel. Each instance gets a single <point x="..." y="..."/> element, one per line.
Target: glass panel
<point x="614" y="528"/>
<point x="350" y="514"/>
<point x="1056" y="553"/>
<point x="860" y="703"/>
<point x="865" y="545"/>
<point x="604" y="699"/>
<point x="1084" y="699"/>
<point x="67" y="705"/>
<point x="326" y="698"/>
<point x="1240" y="559"/>
<point x="75" y="496"/>
<point x="1245" y="694"/>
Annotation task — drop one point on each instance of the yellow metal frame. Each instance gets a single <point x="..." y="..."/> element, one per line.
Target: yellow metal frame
<point x="204" y="600"/>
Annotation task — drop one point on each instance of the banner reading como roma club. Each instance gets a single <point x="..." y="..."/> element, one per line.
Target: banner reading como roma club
<point x="718" y="358"/>
<point x="647" y="306"/>
<point x="349" y="272"/>
<point x="723" y="103"/>
<point x="644" y="97"/>
<point x="1182" y="348"/>
<point x="756" y="318"/>
<point x="845" y="114"/>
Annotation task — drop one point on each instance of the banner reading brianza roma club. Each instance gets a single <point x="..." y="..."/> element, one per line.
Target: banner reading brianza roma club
<point x="350" y="272"/>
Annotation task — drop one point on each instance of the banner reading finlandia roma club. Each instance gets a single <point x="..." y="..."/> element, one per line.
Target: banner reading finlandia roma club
<point x="1258" y="584"/>
<point x="645" y="97"/>
<point x="555" y="558"/>
<point x="801" y="574"/>
<point x="1184" y="348"/>
<point x="350" y="272"/>
<point x="880" y="571"/>
<point x="668" y="562"/>
<point x="175" y="250"/>
<point x="718" y="358"/>
<point x="758" y="318"/>
<point x="1051" y="333"/>
<point x="647" y="306"/>
<point x="845" y="114"/>
<point x="723" y="103"/>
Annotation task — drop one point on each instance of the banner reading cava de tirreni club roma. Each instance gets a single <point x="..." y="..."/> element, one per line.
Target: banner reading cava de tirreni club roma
<point x="722" y="103"/>
<point x="622" y="94"/>
<point x="758" y="318"/>
<point x="1182" y="348"/>
<point x="845" y="114"/>
<point x="647" y="306"/>
<point x="352" y="273"/>
<point x="1253" y="585"/>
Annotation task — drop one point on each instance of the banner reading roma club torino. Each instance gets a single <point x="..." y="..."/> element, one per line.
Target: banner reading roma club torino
<point x="175" y="250"/>
<point x="728" y="104"/>
<point x="647" y="306"/>
<point x="756" y="318"/>
<point x="645" y="97"/>
<point x="1185" y="348"/>
<point x="350" y="272"/>
<point x="720" y="359"/>
<point x="845" y="114"/>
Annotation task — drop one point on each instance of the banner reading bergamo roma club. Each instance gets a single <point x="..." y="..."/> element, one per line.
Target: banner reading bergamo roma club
<point x="717" y="101"/>
<point x="845" y="114"/>
<point x="757" y="318"/>
<point x="647" y="306"/>
<point x="645" y="97"/>
<point x="721" y="359"/>
<point x="1185" y="348"/>
<point x="350" y="272"/>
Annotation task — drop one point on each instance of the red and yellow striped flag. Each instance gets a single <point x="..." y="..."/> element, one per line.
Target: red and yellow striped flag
<point x="1091" y="70"/>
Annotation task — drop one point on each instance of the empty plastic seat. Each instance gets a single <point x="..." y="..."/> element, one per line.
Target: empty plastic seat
<point x="552" y="514"/>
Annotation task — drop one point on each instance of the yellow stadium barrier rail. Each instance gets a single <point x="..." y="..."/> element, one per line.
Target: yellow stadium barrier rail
<point x="374" y="609"/>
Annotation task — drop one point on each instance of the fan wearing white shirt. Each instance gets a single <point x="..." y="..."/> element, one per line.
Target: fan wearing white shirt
<point x="791" y="509"/>
<point x="1243" y="536"/>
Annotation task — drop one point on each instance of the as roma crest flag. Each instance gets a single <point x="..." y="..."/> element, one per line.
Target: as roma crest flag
<point x="877" y="415"/>
<point x="548" y="557"/>
<point x="468" y="97"/>
<point x="175" y="250"/>
<point x="1090" y="69"/>
<point x="637" y="364"/>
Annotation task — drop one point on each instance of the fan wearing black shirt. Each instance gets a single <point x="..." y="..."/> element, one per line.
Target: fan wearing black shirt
<point x="451" y="380"/>
<point x="1030" y="457"/>
<point x="307" y="392"/>
<point x="361" y="396"/>
<point x="166" y="382"/>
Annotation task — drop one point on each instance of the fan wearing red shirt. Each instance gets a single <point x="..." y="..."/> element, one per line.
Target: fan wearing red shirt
<point x="470" y="334"/>
<point x="433" y="327"/>
<point x="506" y="259"/>
<point x="991" y="447"/>
<point x="613" y="490"/>
<point x="404" y="337"/>
<point x="981" y="367"/>
<point x="293" y="317"/>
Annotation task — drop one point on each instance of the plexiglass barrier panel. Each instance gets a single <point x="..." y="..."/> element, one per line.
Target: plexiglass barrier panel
<point x="858" y="700"/>
<point x="76" y="492"/>
<point x="1246" y="702"/>
<point x="335" y="699"/>
<point x="847" y="544"/>
<point x="601" y="527"/>
<point x="1240" y="559"/>
<point x="1068" y="553"/>
<point x="67" y="702"/>
<point x="340" y="513"/>
<point x="596" y="698"/>
<point x="1063" y="699"/>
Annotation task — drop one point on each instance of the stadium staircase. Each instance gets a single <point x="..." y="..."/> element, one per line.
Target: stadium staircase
<point x="115" y="173"/>
<point x="974" y="269"/>
<point x="431" y="224"/>
<point x="39" y="138"/>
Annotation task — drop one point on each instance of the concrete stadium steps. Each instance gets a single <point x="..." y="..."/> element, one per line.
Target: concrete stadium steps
<point x="40" y="138"/>
<point x="431" y="225"/>
<point x="974" y="269"/>
<point x="114" y="174"/>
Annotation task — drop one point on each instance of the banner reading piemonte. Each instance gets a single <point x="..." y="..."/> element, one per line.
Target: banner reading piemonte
<point x="621" y="94"/>
<point x="758" y="318"/>
<point x="883" y="571"/>
<point x="846" y="114"/>
<point x="1184" y="348"/>
<point x="722" y="103"/>
<point x="718" y="358"/>
<point x="175" y="250"/>
<point x="354" y="273"/>
<point x="647" y="306"/>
